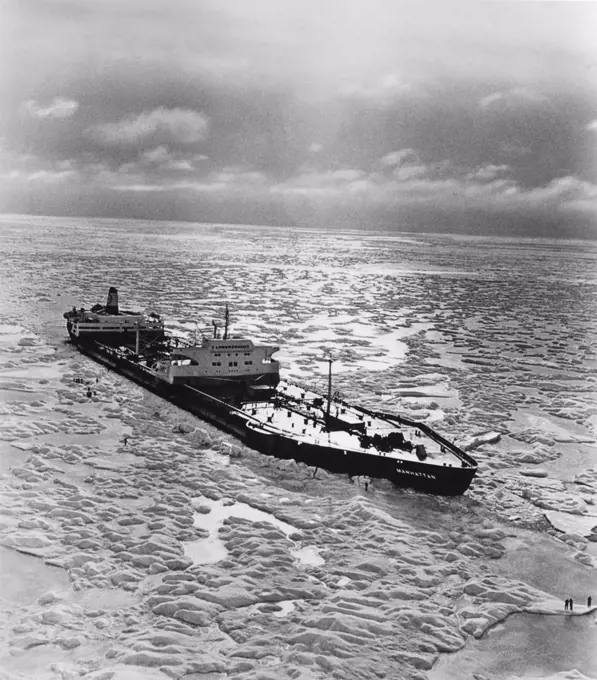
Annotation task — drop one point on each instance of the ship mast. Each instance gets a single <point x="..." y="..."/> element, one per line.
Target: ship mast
<point x="329" y="389"/>
<point x="227" y="319"/>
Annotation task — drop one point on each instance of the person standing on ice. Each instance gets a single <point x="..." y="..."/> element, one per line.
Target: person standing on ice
<point x="571" y="604"/>
<point x="566" y="602"/>
<point x="589" y="601"/>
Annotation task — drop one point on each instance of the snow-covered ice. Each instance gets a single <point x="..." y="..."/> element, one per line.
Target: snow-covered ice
<point x="182" y="554"/>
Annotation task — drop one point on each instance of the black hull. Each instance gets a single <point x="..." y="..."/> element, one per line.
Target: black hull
<point x="439" y="480"/>
<point x="423" y="476"/>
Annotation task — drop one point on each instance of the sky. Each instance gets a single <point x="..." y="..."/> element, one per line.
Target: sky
<point x="476" y="117"/>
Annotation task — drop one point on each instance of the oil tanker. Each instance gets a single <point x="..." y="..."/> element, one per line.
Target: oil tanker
<point x="235" y="384"/>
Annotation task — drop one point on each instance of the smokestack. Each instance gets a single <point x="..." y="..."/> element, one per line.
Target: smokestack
<point x="112" y="304"/>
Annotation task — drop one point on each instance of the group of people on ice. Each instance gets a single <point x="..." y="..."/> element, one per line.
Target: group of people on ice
<point x="569" y="604"/>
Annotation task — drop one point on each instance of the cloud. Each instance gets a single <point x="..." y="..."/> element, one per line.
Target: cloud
<point x="570" y="190"/>
<point x="322" y="183"/>
<point x="57" y="108"/>
<point x="28" y="169"/>
<point x="400" y="157"/>
<point x="398" y="184"/>
<point x="405" y="165"/>
<point x="178" y="126"/>
<point x="155" y="167"/>
<point x="514" y="98"/>
<point x="592" y="125"/>
<point x="488" y="173"/>
<point x="47" y="176"/>
<point x="159" y="154"/>
<point x="161" y="158"/>
<point x="389" y="185"/>
<point x="439" y="184"/>
<point x="231" y="180"/>
<point x="386" y="89"/>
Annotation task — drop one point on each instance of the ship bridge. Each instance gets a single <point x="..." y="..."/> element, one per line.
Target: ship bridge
<point x="218" y="362"/>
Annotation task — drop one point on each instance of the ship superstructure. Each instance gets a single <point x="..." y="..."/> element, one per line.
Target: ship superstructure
<point x="219" y="362"/>
<point x="111" y="326"/>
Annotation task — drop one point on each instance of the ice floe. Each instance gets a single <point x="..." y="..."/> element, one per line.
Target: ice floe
<point x="572" y="524"/>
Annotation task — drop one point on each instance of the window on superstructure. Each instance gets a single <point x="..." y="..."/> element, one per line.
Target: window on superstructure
<point x="248" y="363"/>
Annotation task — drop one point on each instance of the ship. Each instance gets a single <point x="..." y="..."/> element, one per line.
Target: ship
<point x="235" y="384"/>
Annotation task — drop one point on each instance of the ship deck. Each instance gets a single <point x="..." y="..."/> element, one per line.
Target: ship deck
<point x="295" y="413"/>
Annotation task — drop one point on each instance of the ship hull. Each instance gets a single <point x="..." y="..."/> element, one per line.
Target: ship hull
<point x="423" y="476"/>
<point x="439" y="480"/>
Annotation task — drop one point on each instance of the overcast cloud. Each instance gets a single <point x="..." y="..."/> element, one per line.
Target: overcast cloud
<point x="449" y="116"/>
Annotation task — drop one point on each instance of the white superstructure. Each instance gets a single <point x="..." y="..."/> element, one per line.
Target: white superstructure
<point x="111" y="326"/>
<point x="221" y="361"/>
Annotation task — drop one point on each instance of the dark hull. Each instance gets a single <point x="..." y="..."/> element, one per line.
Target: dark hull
<point x="445" y="481"/>
<point x="424" y="476"/>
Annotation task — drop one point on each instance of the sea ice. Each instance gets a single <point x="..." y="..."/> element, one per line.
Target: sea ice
<point x="286" y="607"/>
<point x="211" y="516"/>
<point x="402" y="570"/>
<point x="308" y="556"/>
<point x="477" y="440"/>
<point x="562" y="675"/>
<point x="572" y="524"/>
